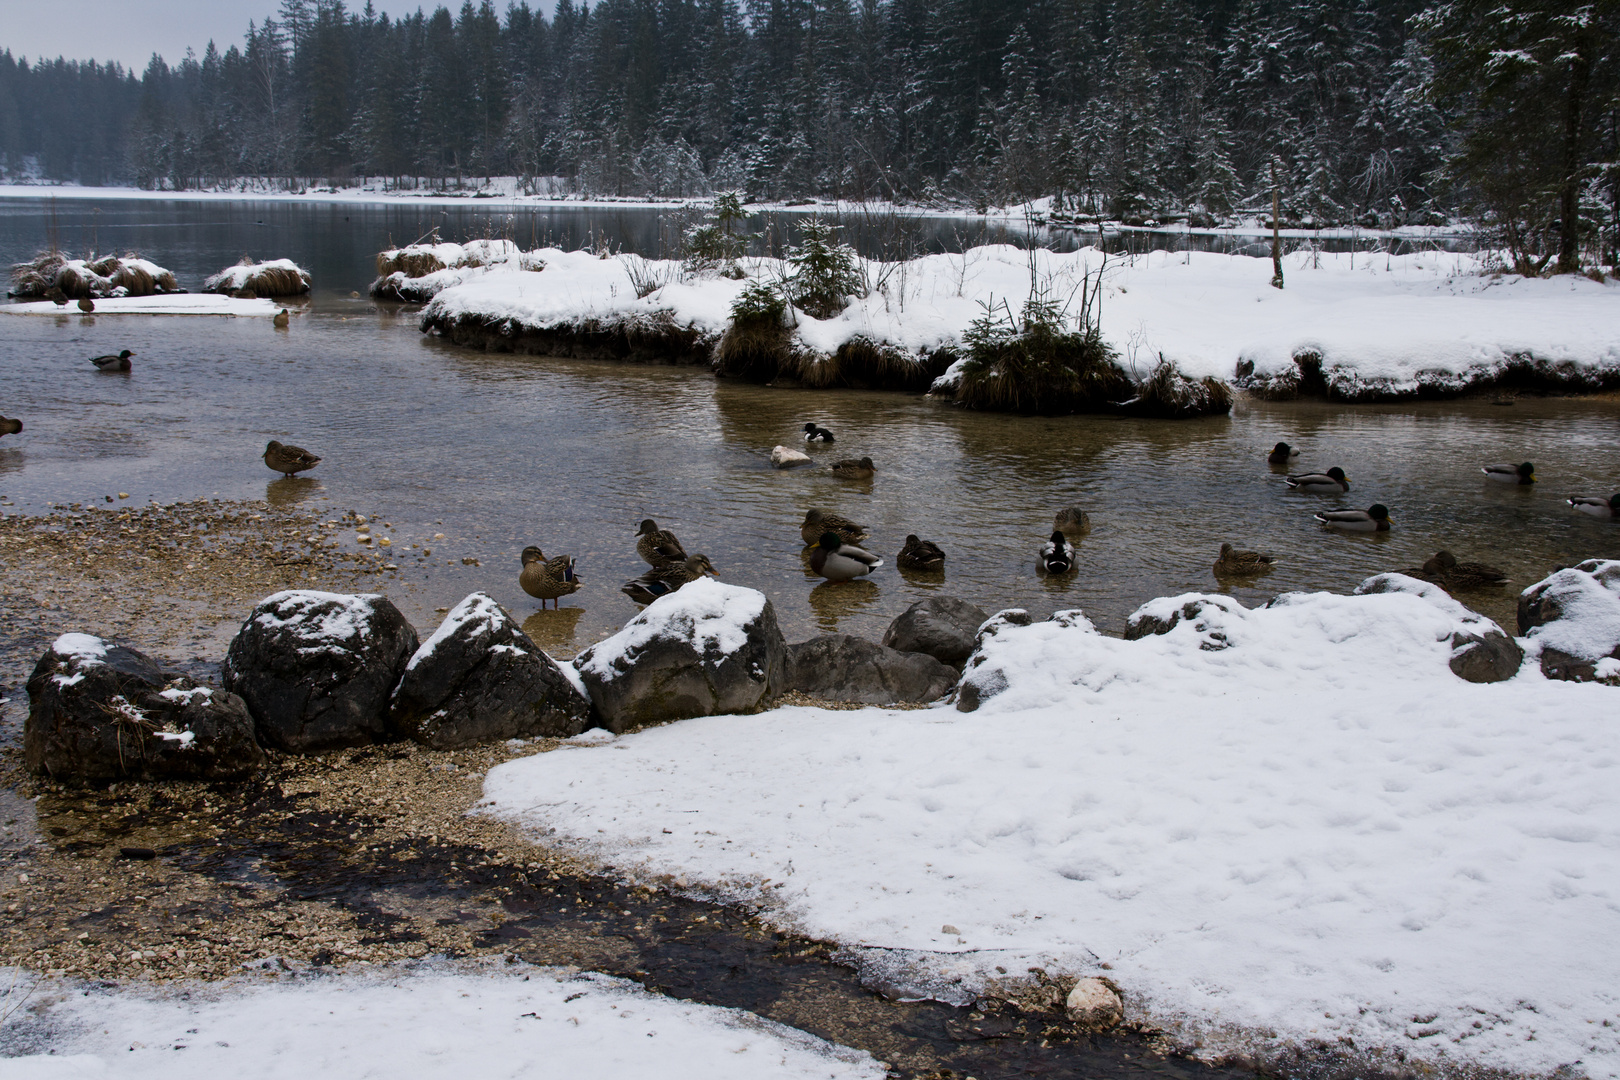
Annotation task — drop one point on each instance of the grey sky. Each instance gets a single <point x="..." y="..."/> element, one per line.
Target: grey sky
<point x="130" y="31"/>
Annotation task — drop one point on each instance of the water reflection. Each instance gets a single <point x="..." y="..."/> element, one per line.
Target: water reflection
<point x="291" y="490"/>
<point x="835" y="600"/>
<point x="554" y="630"/>
<point x="12" y="460"/>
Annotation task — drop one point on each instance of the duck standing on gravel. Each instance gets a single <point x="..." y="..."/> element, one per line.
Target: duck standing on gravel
<point x="1595" y="505"/>
<point x="547" y="579"/>
<point x="817" y="522"/>
<point x="1373" y="519"/>
<point x="1282" y="454"/>
<point x="10" y="427"/>
<point x="111" y="362"/>
<point x="1332" y="482"/>
<point x="1235" y="563"/>
<point x="1057" y="554"/>
<point x="836" y="560"/>
<point x="853" y="469"/>
<point x="920" y="555"/>
<point x="1522" y="473"/>
<point x="288" y="460"/>
<point x="658" y="547"/>
<point x="812" y="433"/>
<point x="663" y="580"/>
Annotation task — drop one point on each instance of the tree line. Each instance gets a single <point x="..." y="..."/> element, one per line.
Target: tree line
<point x="1377" y="112"/>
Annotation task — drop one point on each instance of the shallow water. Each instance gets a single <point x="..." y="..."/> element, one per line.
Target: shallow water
<point x="496" y="452"/>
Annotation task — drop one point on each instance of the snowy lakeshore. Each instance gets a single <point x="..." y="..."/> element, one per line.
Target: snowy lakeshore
<point x="1285" y="833"/>
<point x="1352" y="326"/>
<point x="169" y="304"/>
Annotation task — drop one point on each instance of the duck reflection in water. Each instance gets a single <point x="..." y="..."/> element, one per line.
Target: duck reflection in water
<point x="554" y="629"/>
<point x="834" y="600"/>
<point x="290" y="490"/>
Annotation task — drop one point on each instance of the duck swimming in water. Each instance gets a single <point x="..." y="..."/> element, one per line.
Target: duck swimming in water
<point x="112" y="363"/>
<point x="1523" y="473"/>
<point x="1373" y="519"/>
<point x="1332" y="482"/>
<point x="835" y="560"/>
<point x="920" y="555"/>
<point x="663" y="580"/>
<point x="812" y="433"/>
<point x="1072" y="522"/>
<point x="1282" y="454"/>
<point x="10" y="427"/>
<point x="1596" y="506"/>
<point x="853" y="469"/>
<point x="817" y="522"/>
<point x="1235" y="563"/>
<point x="1057" y="554"/>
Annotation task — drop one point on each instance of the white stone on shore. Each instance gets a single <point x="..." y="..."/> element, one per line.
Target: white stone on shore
<point x="1093" y="1005"/>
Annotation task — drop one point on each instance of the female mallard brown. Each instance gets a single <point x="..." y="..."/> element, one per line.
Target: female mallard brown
<point x="920" y="555"/>
<point x="547" y="579"/>
<point x="835" y="560"/>
<point x="281" y="319"/>
<point x="9" y="427"/>
<point x="1443" y="569"/>
<point x="288" y="460"/>
<point x="112" y="363"/>
<point x="658" y="547"/>
<point x="817" y="522"/>
<point x="1235" y="563"/>
<point x="663" y="580"/>
<point x="1072" y="522"/>
<point x="86" y="305"/>
<point x="1282" y="454"/>
<point x="853" y="468"/>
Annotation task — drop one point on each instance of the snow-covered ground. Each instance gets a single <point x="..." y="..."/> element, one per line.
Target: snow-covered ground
<point x="1389" y="321"/>
<point x="1315" y="835"/>
<point x="171" y="304"/>
<point x="430" y="1021"/>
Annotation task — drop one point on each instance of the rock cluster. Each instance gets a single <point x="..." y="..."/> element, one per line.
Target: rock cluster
<point x="1573" y="618"/>
<point x="1480" y="651"/>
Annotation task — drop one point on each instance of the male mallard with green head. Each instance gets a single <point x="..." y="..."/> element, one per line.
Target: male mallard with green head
<point x="547" y="579"/>
<point x="1522" y="473"/>
<point x="817" y="522"/>
<point x="836" y="560"/>
<point x="112" y="363"/>
<point x="1235" y="563"/>
<point x="288" y="460"/>
<point x="1373" y="519"/>
<point x="1072" y="522"/>
<point x="658" y="547"/>
<point x="1597" y="506"/>
<point x="853" y="469"/>
<point x="1332" y="482"/>
<point x="920" y="555"/>
<point x="663" y="580"/>
<point x="1057" y="554"/>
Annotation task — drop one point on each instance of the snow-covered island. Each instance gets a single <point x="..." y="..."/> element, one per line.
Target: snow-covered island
<point x="1355" y="327"/>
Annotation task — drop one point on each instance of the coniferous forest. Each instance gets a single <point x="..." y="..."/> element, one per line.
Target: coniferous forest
<point x="1375" y="112"/>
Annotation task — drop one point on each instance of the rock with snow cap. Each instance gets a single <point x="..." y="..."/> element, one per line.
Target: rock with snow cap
<point x="707" y="648"/>
<point x="1208" y="615"/>
<point x="980" y="684"/>
<point x="317" y="669"/>
<point x="842" y="667"/>
<point x="479" y="678"/>
<point x="1571" y="618"/>
<point x="1481" y="651"/>
<point x="100" y="711"/>
<point x="941" y="626"/>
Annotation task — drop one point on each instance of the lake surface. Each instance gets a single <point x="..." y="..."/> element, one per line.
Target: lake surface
<point x="496" y="452"/>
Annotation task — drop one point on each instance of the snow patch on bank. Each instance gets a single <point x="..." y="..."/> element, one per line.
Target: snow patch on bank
<point x="159" y="304"/>
<point x="1313" y="835"/>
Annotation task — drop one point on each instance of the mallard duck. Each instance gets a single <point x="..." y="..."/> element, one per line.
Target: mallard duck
<point x="658" y="547"/>
<point x="113" y="363"/>
<point x="1072" y="522"/>
<point x="86" y="304"/>
<point x="817" y="522"/>
<point x="1373" y="519"/>
<point x="1523" y="473"/>
<point x="1332" y="482"/>
<point x="836" y="560"/>
<point x="547" y="579"/>
<point x="288" y="460"/>
<point x="663" y="580"/>
<point x="1444" y="570"/>
<point x="1235" y="563"/>
<point x="812" y="433"/>
<point x="10" y="427"/>
<point x="920" y="555"/>
<point x="1595" y="505"/>
<point x="56" y="296"/>
<point x="853" y="469"/>
<point x="281" y="319"/>
<point x="1282" y="454"/>
<point x="1057" y="554"/>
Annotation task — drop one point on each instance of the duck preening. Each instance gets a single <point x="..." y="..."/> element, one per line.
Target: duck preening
<point x="1072" y="522"/>
<point x="1443" y="569"/>
<point x="1282" y="454"/>
<point x="920" y="555"/>
<point x="1597" y="506"/>
<point x="836" y="560"/>
<point x="854" y="468"/>
<point x="663" y="580"/>
<point x="813" y="433"/>
<point x="1522" y="473"/>
<point x="658" y="547"/>
<point x="1332" y="482"/>
<point x="547" y="579"/>
<point x="288" y="460"/>
<point x="1373" y="519"/>
<point x="817" y="522"/>
<point x="10" y="427"/>
<point x="1235" y="563"/>
<point x="110" y="362"/>
<point x="1057" y="554"/>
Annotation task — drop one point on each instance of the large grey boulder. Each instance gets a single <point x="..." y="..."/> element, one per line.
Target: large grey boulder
<point x="1573" y="618"/>
<point x="706" y="648"/>
<point x="479" y="678"/>
<point x="317" y="669"/>
<point x="941" y="626"/>
<point x="1481" y="651"/>
<point x="841" y="667"/>
<point x="100" y="712"/>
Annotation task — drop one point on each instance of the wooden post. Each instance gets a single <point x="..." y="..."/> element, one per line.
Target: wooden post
<point x="1276" y="240"/>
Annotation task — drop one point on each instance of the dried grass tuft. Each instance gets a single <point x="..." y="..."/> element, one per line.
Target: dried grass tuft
<point x="1170" y="395"/>
<point x="84" y="279"/>
<point x="413" y="262"/>
<point x="261" y="280"/>
<point x="758" y="350"/>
